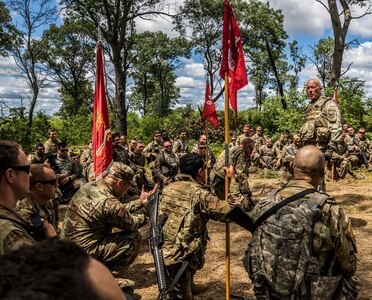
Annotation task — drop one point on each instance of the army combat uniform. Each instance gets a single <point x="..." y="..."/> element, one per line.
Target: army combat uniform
<point x="330" y="257"/>
<point x="180" y="147"/>
<point x="189" y="207"/>
<point x="28" y="206"/>
<point x="269" y="155"/>
<point x="51" y="146"/>
<point x="13" y="232"/>
<point x="89" y="221"/>
<point x="34" y="158"/>
<point x="166" y="166"/>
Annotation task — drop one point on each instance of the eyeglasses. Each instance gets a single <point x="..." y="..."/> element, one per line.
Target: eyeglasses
<point x="51" y="181"/>
<point x="361" y="132"/>
<point x="167" y="146"/>
<point x="25" y="168"/>
<point x="157" y="135"/>
<point x="202" y="148"/>
<point x="63" y="150"/>
<point x="41" y="149"/>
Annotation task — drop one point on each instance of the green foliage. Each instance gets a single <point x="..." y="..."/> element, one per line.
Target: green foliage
<point x="8" y="32"/>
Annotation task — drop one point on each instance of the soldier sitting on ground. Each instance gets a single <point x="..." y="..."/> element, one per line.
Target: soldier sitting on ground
<point x="38" y="157"/>
<point x="269" y="156"/>
<point x="180" y="145"/>
<point x="304" y="249"/>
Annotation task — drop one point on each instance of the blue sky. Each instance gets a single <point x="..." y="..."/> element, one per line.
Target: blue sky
<point x="305" y="20"/>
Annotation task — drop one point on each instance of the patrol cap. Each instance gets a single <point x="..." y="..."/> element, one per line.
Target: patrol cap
<point x="122" y="171"/>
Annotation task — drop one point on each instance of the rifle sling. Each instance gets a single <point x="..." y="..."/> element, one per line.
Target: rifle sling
<point x="272" y="210"/>
<point x="178" y="275"/>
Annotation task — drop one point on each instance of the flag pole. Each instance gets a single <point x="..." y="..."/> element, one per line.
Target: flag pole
<point x="227" y="163"/>
<point x="206" y="152"/>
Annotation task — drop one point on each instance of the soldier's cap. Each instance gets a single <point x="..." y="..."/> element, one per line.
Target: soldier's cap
<point x="122" y="171"/>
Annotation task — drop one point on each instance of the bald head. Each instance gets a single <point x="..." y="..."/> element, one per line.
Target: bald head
<point x="309" y="161"/>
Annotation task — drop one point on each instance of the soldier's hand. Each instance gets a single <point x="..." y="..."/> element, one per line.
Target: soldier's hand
<point x="229" y="171"/>
<point x="145" y="194"/>
<point x="48" y="229"/>
<point x="64" y="180"/>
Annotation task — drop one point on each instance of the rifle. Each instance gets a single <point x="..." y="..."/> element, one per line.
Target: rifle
<point x="155" y="239"/>
<point x="267" y="163"/>
<point x="362" y="153"/>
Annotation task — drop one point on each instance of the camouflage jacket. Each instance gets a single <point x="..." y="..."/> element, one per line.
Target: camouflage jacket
<point x="211" y="158"/>
<point x="152" y="147"/>
<point x="12" y="234"/>
<point x="289" y="152"/>
<point x="69" y="167"/>
<point x="136" y="161"/>
<point x="241" y="163"/>
<point x="268" y="154"/>
<point x="355" y="141"/>
<point x="259" y="141"/>
<point x="86" y="157"/>
<point x="94" y="211"/>
<point x="28" y="206"/>
<point x="332" y="233"/>
<point x="322" y="125"/>
<point x="120" y="154"/>
<point x="51" y="146"/>
<point x="34" y="158"/>
<point x="189" y="206"/>
<point x="166" y="165"/>
<point x="180" y="147"/>
<point x="240" y="138"/>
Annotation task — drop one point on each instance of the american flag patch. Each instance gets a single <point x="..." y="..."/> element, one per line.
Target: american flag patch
<point x="213" y="203"/>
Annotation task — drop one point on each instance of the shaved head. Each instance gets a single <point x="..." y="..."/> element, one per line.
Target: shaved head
<point x="308" y="163"/>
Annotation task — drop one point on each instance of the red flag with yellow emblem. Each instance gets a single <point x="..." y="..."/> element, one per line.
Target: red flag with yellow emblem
<point x="102" y="139"/>
<point x="209" y="111"/>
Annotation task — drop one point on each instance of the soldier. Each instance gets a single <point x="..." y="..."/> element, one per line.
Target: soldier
<point x="345" y="128"/>
<point x="280" y="143"/>
<point x="152" y="149"/>
<point x="39" y="202"/>
<point x="259" y="140"/>
<point x="246" y="133"/>
<point x="166" y="165"/>
<point x="359" y="148"/>
<point x="165" y="136"/>
<point x="233" y="141"/>
<point x="132" y="146"/>
<point x="119" y="152"/>
<point x="304" y="249"/>
<point x="92" y="229"/>
<point x="137" y="163"/>
<point x="239" y="157"/>
<point x="269" y="157"/>
<point x="189" y="206"/>
<point x="38" y="157"/>
<point x="288" y="155"/>
<point x="51" y="144"/>
<point x="196" y="149"/>
<point x="14" y="185"/>
<point x="180" y="146"/>
<point x="87" y="163"/>
<point x="322" y="126"/>
<point x="70" y="175"/>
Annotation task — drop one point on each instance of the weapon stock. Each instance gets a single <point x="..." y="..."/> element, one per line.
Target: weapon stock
<point x="266" y="161"/>
<point x="240" y="217"/>
<point x="362" y="153"/>
<point x="155" y="239"/>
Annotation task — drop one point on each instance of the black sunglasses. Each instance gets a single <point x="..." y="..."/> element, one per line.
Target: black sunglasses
<point x="202" y="147"/>
<point x="51" y="181"/>
<point x="25" y="168"/>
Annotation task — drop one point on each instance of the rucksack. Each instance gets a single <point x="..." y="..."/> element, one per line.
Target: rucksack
<point x="280" y="250"/>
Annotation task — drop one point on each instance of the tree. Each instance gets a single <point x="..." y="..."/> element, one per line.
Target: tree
<point x="298" y="63"/>
<point x="203" y="19"/>
<point x="8" y="32"/>
<point x="341" y="20"/>
<point x="68" y="53"/>
<point x="116" y="21"/>
<point x="35" y="15"/>
<point x="322" y="58"/>
<point x="156" y="58"/>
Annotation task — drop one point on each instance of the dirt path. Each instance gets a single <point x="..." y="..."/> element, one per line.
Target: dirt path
<point x="354" y="197"/>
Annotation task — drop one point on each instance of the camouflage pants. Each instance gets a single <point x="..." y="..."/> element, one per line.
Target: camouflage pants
<point x="183" y="288"/>
<point x="117" y="251"/>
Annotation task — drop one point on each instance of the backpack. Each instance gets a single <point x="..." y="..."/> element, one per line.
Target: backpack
<point x="279" y="254"/>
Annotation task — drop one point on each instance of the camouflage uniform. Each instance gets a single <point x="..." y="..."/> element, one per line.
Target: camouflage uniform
<point x="180" y="147"/>
<point x="259" y="141"/>
<point x="211" y="158"/>
<point x="279" y="145"/>
<point x="355" y="156"/>
<point x="268" y="154"/>
<point x="166" y="165"/>
<point x="90" y="219"/>
<point x="86" y="159"/>
<point x="69" y="167"/>
<point x="137" y="163"/>
<point x="28" y="206"/>
<point x="34" y="158"/>
<point x="288" y="155"/>
<point x="120" y="154"/>
<point x="241" y="163"/>
<point x="340" y="159"/>
<point x="51" y="146"/>
<point x="189" y="206"/>
<point x="12" y="234"/>
<point x="152" y="147"/>
<point x="333" y="250"/>
<point x="322" y="125"/>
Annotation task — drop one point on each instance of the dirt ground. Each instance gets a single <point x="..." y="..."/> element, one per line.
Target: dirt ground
<point x="353" y="196"/>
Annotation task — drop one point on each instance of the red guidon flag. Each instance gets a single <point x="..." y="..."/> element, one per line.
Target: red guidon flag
<point x="102" y="139"/>
<point x="209" y="110"/>
<point x="335" y="94"/>
<point x="232" y="56"/>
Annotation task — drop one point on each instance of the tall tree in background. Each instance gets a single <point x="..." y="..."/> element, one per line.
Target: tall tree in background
<point x="201" y="19"/>
<point x="35" y="16"/>
<point x="68" y="53"/>
<point x="8" y="32"/>
<point x="298" y="63"/>
<point x="116" y="20"/>
<point x="157" y="56"/>
<point x="341" y="13"/>
<point x="322" y="58"/>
